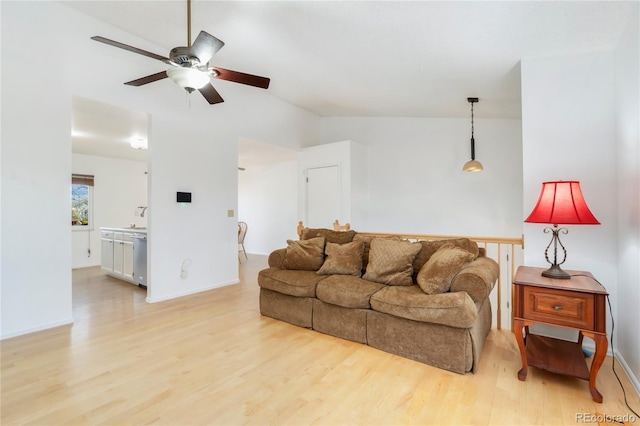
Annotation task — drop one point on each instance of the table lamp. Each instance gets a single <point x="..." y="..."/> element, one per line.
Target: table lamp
<point x="560" y="203"/>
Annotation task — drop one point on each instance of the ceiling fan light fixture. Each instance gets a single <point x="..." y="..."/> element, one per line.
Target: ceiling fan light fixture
<point x="138" y="143"/>
<point x="188" y="78"/>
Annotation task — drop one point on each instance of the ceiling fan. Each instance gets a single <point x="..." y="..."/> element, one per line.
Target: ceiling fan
<point x="190" y="65"/>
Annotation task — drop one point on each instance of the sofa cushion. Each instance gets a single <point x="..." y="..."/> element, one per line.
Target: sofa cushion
<point x="337" y="237"/>
<point x="452" y="309"/>
<point x="347" y="291"/>
<point x="430" y="247"/>
<point x="305" y="255"/>
<point x="291" y="282"/>
<point x="343" y="259"/>
<point x="391" y="261"/>
<point x="436" y="275"/>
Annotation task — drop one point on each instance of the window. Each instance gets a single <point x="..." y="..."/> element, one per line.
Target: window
<point x="81" y="200"/>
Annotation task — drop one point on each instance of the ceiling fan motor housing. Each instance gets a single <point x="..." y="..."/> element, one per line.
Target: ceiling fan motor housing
<point x="183" y="57"/>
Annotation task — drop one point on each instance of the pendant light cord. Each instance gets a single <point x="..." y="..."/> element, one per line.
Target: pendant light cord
<point x="473" y="141"/>
<point x="472" y="120"/>
<point x="188" y="23"/>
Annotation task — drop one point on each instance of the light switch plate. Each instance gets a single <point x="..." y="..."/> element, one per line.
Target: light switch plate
<point x="230" y="213"/>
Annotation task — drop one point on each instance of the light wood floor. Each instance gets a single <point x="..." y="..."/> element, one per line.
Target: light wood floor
<point x="210" y="358"/>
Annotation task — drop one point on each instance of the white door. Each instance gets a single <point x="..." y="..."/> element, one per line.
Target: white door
<point x="323" y="197"/>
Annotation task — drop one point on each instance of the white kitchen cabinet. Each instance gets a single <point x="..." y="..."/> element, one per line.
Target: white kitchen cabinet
<point x="127" y="260"/>
<point x="107" y="254"/>
<point x="117" y="255"/>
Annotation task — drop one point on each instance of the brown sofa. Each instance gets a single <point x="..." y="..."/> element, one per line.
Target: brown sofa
<point x="426" y="300"/>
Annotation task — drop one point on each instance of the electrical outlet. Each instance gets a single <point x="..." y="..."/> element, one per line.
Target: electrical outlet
<point x="230" y="213"/>
<point x="136" y="212"/>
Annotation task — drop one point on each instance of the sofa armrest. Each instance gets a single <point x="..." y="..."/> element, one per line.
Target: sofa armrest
<point x="477" y="278"/>
<point x="276" y="258"/>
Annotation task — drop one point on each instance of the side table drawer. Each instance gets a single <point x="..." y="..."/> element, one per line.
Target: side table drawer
<point x="558" y="307"/>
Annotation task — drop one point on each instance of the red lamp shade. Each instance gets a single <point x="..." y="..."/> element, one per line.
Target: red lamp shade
<point x="562" y="203"/>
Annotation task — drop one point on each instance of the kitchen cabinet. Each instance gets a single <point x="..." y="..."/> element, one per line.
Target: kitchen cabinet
<point x="123" y="255"/>
<point x="107" y="251"/>
<point x="117" y="254"/>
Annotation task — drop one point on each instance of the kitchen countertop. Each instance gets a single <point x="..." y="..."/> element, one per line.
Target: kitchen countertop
<point x="127" y="229"/>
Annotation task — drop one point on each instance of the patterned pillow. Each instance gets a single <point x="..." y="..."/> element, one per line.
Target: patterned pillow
<point x="366" y="239"/>
<point x="306" y="255"/>
<point x="343" y="259"/>
<point x="391" y="261"/>
<point x="436" y="275"/>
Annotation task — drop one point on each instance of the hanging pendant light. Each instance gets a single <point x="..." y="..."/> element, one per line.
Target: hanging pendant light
<point x="472" y="165"/>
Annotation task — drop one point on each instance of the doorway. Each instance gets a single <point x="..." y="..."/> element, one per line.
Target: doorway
<point x="104" y="141"/>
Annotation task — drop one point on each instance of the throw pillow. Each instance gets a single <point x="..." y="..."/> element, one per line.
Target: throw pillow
<point x="430" y="247"/>
<point x="306" y="255"/>
<point x="436" y="275"/>
<point x="391" y="261"/>
<point x="366" y="239"/>
<point x="343" y="259"/>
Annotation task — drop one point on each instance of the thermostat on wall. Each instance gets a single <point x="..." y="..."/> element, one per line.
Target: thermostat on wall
<point x="183" y="197"/>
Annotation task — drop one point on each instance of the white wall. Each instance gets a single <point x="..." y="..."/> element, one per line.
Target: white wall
<point x="36" y="170"/>
<point x="415" y="178"/>
<point x="192" y="148"/>
<point x="358" y="160"/>
<point x="267" y="202"/>
<point x="627" y="67"/>
<point x="120" y="187"/>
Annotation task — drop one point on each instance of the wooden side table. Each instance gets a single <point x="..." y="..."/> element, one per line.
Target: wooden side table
<point x="578" y="303"/>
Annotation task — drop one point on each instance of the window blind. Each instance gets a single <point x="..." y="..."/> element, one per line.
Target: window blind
<point x="77" y="179"/>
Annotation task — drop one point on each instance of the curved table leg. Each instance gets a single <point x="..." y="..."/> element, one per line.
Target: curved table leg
<point x="601" y="352"/>
<point x="518" y="325"/>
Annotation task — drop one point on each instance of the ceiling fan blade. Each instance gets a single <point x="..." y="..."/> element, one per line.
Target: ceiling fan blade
<point x="211" y="94"/>
<point x="148" y="79"/>
<point x="240" y="77"/>
<point x="206" y="46"/>
<point x="129" y="48"/>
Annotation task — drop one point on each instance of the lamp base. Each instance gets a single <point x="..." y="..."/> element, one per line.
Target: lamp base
<point x="556" y="272"/>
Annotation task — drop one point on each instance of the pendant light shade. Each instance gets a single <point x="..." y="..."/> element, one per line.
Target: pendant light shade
<point x="472" y="165"/>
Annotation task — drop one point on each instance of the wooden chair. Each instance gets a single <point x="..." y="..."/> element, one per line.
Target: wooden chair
<point x="242" y="232"/>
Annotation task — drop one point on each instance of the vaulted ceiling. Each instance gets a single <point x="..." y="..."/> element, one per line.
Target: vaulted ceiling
<point x="382" y="58"/>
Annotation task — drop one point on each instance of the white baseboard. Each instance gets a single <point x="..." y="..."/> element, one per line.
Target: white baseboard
<point x="187" y="293"/>
<point x="35" y="329"/>
<point x="632" y="378"/>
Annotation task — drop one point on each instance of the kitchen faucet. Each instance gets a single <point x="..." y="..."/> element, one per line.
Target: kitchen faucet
<point x="143" y="210"/>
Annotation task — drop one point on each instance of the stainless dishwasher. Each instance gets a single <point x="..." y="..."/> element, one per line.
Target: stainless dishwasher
<point x="140" y="259"/>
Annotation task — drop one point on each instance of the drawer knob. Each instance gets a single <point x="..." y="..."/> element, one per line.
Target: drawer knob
<point x="558" y="308"/>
